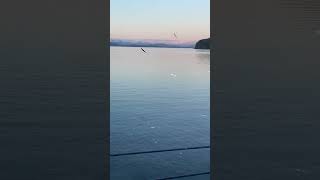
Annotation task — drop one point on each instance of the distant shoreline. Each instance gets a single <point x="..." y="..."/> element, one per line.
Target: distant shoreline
<point x="151" y="43"/>
<point x="200" y="44"/>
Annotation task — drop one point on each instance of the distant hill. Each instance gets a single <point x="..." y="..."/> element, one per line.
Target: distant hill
<point x="151" y="43"/>
<point x="203" y="44"/>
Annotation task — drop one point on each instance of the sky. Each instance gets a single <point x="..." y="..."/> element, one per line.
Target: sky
<point x="159" y="19"/>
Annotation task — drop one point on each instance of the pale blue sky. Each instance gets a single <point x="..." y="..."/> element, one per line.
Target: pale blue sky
<point x="158" y="19"/>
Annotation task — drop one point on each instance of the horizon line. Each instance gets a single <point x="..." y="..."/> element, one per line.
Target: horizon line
<point x="155" y="40"/>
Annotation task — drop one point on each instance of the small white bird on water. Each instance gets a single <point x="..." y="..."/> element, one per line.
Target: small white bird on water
<point x="173" y="75"/>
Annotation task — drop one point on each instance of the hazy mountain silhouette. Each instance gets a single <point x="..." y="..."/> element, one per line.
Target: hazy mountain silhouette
<point x="151" y="43"/>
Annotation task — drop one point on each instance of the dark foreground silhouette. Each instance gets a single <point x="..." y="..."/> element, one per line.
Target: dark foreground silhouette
<point x="203" y="44"/>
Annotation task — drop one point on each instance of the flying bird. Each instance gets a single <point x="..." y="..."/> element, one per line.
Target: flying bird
<point x="143" y="50"/>
<point x="175" y="35"/>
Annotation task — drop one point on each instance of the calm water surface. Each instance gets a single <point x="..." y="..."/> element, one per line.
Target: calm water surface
<point x="159" y="100"/>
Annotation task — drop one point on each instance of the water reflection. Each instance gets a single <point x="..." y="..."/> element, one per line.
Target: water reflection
<point x="203" y="56"/>
<point x="159" y="100"/>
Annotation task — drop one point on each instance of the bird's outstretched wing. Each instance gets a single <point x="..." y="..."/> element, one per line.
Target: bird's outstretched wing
<point x="175" y="35"/>
<point x="143" y="50"/>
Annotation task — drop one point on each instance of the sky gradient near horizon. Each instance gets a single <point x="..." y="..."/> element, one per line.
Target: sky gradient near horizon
<point x="159" y="19"/>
